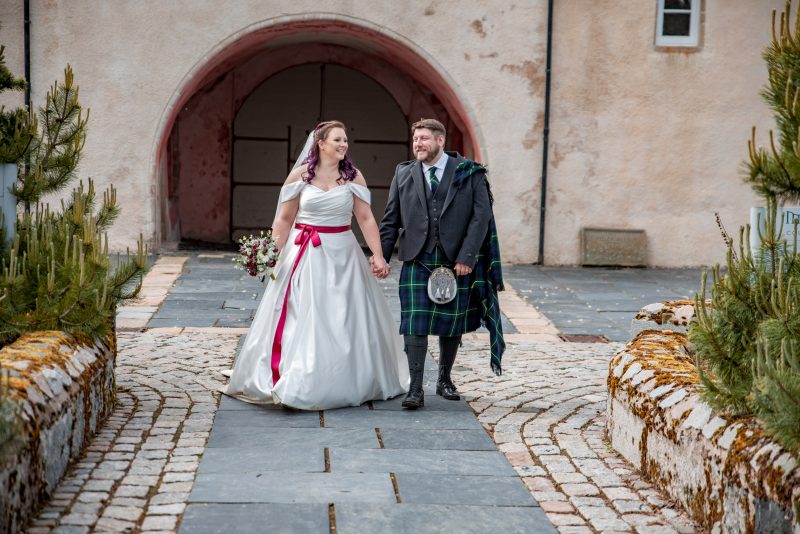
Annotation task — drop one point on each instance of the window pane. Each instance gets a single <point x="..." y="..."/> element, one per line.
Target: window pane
<point x="677" y="4"/>
<point x="676" y="24"/>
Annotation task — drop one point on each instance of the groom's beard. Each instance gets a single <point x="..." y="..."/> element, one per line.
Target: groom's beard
<point x="432" y="157"/>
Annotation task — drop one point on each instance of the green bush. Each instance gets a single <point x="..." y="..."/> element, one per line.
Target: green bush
<point x="747" y="338"/>
<point x="56" y="274"/>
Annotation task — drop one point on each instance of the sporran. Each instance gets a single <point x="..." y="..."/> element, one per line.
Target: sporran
<point x="442" y="286"/>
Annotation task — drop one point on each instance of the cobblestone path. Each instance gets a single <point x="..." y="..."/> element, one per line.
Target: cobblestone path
<point x="546" y="414"/>
<point x="139" y="469"/>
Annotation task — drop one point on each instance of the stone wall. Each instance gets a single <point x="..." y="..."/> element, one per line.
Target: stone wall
<point x="639" y="137"/>
<point x="724" y="471"/>
<point x="62" y="390"/>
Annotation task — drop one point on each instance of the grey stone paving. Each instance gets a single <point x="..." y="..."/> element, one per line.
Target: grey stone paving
<point x="384" y="469"/>
<point x="372" y="468"/>
<point x="211" y="293"/>
<point x="379" y="468"/>
<point x="597" y="301"/>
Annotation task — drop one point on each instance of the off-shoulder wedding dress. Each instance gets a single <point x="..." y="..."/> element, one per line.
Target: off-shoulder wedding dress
<point x="333" y="341"/>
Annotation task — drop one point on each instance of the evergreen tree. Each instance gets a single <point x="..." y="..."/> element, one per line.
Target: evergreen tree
<point x="16" y="135"/>
<point x="57" y="274"/>
<point x="747" y="338"/>
<point x="16" y="132"/>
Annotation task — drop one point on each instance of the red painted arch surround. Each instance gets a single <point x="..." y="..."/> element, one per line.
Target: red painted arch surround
<point x="337" y="29"/>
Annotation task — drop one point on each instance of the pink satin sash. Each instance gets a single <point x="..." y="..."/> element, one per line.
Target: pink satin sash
<point x="307" y="234"/>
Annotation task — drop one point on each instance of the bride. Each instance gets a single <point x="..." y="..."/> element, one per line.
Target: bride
<point x="323" y="335"/>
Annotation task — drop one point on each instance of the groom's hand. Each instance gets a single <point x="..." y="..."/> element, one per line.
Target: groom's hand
<point x="462" y="269"/>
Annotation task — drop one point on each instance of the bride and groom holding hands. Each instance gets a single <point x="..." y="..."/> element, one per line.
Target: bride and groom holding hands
<point x="323" y="335"/>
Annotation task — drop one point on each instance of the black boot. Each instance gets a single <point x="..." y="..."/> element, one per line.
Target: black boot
<point x="416" y="349"/>
<point x="448" y="346"/>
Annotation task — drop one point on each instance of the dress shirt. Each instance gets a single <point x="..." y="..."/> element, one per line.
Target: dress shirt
<point x="440" y="165"/>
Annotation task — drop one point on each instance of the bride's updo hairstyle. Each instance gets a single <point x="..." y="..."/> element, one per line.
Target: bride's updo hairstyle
<point x="347" y="171"/>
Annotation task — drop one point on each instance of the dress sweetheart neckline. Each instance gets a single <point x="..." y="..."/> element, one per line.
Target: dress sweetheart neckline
<point x="326" y="190"/>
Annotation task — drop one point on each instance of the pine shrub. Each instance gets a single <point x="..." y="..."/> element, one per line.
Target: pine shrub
<point x="57" y="274"/>
<point x="747" y="337"/>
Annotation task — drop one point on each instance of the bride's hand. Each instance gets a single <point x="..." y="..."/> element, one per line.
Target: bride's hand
<point x="379" y="267"/>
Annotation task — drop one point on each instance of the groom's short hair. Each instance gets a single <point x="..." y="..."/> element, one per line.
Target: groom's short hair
<point x="431" y="124"/>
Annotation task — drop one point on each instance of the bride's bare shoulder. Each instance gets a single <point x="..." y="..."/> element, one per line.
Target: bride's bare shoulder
<point x="297" y="174"/>
<point x="359" y="179"/>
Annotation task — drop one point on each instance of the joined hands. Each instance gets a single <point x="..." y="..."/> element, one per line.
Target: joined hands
<point x="379" y="267"/>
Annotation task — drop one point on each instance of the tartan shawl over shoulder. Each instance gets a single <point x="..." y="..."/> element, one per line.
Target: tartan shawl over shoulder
<point x="487" y="277"/>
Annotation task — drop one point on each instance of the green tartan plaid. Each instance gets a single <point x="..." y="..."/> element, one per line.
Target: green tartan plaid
<point x="484" y="307"/>
<point x="419" y="315"/>
<point x="476" y="303"/>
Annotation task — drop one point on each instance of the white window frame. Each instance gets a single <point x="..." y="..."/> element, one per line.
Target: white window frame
<point x="691" y="40"/>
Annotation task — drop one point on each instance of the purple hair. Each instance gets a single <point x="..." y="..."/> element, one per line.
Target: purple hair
<point x="347" y="171"/>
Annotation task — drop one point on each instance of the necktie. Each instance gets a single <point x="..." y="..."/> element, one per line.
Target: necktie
<point x="434" y="179"/>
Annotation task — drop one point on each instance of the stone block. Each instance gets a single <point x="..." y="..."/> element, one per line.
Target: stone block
<point x="613" y="247"/>
<point x="726" y="478"/>
<point x="78" y="382"/>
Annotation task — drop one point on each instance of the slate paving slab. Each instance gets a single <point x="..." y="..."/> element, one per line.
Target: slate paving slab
<point x="468" y="440"/>
<point x="436" y="518"/>
<point x="234" y="322"/>
<point x="265" y="418"/>
<point x="227" y="518"/>
<point x="300" y="458"/>
<point x="286" y="487"/>
<point x="243" y="437"/>
<point x="411" y="420"/>
<point x="420" y="461"/>
<point x="598" y="301"/>
<point x="426" y="488"/>
<point x="241" y="304"/>
<point x="432" y="402"/>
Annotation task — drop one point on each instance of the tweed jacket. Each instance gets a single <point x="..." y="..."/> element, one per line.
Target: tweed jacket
<point x="464" y="217"/>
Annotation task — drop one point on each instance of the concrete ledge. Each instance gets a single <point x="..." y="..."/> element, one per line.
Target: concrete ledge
<point x="62" y="389"/>
<point x="725" y="472"/>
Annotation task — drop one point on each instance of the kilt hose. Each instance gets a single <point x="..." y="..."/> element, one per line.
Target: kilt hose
<point x="419" y="315"/>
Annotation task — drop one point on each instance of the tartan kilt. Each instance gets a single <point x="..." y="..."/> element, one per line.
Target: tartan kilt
<point x="419" y="315"/>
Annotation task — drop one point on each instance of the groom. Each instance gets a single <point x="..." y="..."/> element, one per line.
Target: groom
<point x="439" y="209"/>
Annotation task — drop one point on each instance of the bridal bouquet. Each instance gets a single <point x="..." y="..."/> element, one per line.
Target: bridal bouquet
<point x="258" y="255"/>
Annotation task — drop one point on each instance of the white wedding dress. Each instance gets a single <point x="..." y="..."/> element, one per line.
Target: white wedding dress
<point x="340" y="345"/>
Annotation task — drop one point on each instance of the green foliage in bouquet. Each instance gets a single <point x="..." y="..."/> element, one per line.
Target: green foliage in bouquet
<point x="747" y="338"/>
<point x="57" y="273"/>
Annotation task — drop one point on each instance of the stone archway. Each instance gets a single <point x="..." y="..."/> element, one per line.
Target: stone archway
<point x="198" y="159"/>
<point x="272" y="124"/>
